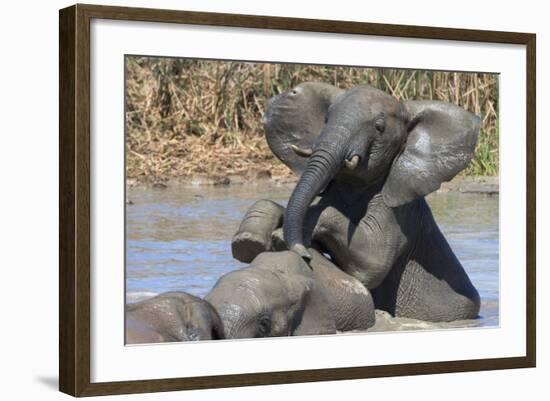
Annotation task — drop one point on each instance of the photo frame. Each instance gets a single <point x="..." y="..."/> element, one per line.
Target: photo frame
<point x="81" y="340"/>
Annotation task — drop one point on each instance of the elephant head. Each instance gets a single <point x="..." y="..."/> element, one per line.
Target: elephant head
<point x="276" y="295"/>
<point x="368" y="138"/>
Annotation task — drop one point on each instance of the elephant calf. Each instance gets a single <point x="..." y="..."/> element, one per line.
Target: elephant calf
<point x="278" y="294"/>
<point x="172" y="316"/>
<point x="365" y="162"/>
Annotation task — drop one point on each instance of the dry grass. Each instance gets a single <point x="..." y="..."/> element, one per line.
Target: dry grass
<point x="188" y="118"/>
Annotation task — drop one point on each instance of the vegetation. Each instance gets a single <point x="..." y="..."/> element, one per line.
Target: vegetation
<point x="188" y="118"/>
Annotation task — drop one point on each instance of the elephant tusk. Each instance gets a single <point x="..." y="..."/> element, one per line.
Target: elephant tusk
<point x="301" y="151"/>
<point x="352" y="164"/>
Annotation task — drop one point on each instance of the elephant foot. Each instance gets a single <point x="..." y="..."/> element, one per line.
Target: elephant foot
<point x="254" y="234"/>
<point x="245" y="246"/>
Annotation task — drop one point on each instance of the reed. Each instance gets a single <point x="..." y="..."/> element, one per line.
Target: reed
<point x="187" y="118"/>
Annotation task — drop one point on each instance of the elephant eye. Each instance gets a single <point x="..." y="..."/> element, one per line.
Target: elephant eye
<point x="296" y="90"/>
<point x="380" y="124"/>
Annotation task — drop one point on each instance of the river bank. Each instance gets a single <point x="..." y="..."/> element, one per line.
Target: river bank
<point x="487" y="185"/>
<point x="203" y="120"/>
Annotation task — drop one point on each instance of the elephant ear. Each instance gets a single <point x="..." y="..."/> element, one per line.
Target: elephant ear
<point x="293" y="121"/>
<point x="440" y="143"/>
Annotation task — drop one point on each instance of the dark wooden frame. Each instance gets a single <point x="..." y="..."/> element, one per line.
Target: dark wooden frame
<point x="74" y="199"/>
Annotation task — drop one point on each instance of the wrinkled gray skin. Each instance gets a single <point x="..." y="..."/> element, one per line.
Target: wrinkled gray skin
<point x="278" y="294"/>
<point x="365" y="162"/>
<point x="254" y="234"/>
<point x="349" y="301"/>
<point x="170" y="317"/>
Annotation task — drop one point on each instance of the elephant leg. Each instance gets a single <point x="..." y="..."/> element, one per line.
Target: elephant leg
<point x="261" y="230"/>
<point x="368" y="249"/>
<point x="431" y="286"/>
<point x="254" y="234"/>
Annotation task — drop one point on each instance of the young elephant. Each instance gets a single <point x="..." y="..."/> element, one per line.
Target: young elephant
<point x="372" y="159"/>
<point x="280" y="295"/>
<point x="172" y="316"/>
<point x="275" y="295"/>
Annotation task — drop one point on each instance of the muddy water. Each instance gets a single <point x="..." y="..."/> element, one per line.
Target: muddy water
<point x="178" y="238"/>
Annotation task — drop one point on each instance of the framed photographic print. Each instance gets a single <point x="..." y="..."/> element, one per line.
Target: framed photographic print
<point x="279" y="200"/>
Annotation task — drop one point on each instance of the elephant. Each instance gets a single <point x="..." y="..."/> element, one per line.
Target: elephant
<point x="278" y="294"/>
<point x="172" y="316"/>
<point x="365" y="163"/>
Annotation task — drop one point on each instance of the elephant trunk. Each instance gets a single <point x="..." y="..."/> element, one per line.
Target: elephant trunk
<point x="322" y="166"/>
